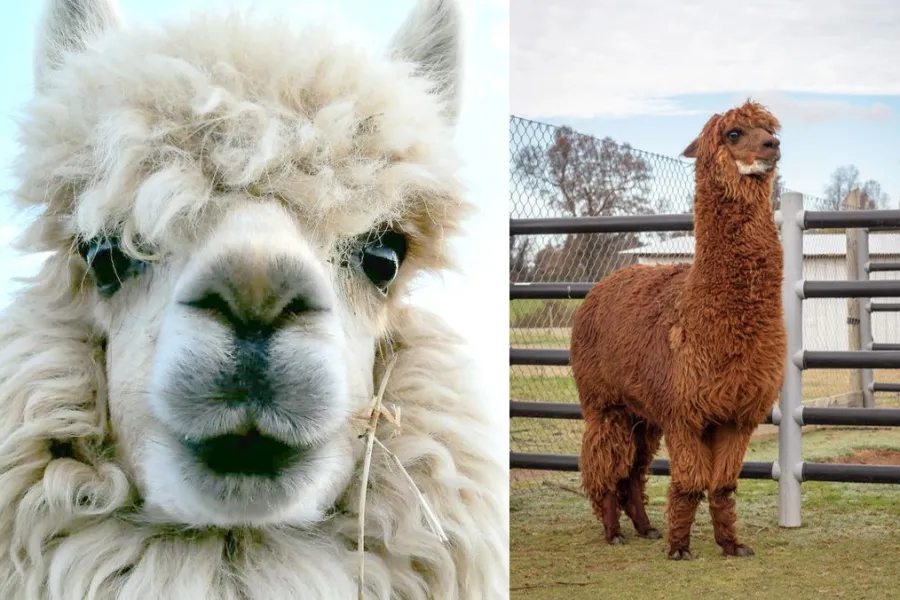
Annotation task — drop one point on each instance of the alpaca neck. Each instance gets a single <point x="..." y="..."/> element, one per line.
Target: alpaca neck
<point x="738" y="258"/>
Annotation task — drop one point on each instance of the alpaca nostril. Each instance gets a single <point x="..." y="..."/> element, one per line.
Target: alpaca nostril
<point x="269" y="295"/>
<point x="299" y="305"/>
<point x="253" y="318"/>
<point x="212" y="302"/>
<point x="773" y="143"/>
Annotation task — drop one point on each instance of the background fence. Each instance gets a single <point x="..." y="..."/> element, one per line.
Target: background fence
<point x="556" y="172"/>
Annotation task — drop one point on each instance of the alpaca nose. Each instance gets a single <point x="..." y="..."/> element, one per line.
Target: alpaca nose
<point x="253" y="316"/>
<point x="771" y="142"/>
<point x="256" y="301"/>
<point x="257" y="274"/>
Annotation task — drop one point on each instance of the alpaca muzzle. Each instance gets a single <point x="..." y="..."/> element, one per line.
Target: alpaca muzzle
<point x="769" y="157"/>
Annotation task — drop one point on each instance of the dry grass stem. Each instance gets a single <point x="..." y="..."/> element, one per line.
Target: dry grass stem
<point x="430" y="517"/>
<point x="374" y="414"/>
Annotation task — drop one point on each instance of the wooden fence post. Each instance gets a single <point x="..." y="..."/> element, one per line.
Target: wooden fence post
<point x="853" y="201"/>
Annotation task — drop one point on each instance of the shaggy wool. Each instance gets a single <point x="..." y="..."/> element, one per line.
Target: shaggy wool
<point x="695" y="352"/>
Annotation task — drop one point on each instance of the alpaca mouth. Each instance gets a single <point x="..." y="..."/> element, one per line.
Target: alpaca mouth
<point x="250" y="454"/>
<point x="759" y="168"/>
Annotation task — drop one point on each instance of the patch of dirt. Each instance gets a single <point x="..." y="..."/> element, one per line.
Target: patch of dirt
<point x="869" y="456"/>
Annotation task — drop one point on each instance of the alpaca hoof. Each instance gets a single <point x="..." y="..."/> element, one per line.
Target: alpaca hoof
<point x="651" y="534"/>
<point x="684" y="554"/>
<point x="617" y="540"/>
<point x="738" y="550"/>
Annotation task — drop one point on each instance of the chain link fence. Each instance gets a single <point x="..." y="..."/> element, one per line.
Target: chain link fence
<point x="558" y="172"/>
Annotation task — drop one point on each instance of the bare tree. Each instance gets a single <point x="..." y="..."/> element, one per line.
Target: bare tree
<point x="844" y="179"/>
<point x="582" y="176"/>
<point x="519" y="267"/>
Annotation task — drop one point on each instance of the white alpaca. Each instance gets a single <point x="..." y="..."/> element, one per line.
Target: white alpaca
<point x="234" y="211"/>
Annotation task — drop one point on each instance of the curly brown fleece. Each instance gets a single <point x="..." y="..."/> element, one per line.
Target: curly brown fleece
<point x="695" y="352"/>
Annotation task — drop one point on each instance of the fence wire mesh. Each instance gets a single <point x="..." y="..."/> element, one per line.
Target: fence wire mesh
<point x="558" y="172"/>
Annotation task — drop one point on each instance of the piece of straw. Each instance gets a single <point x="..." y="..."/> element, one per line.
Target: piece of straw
<point x="374" y="414"/>
<point x="430" y="517"/>
<point x="376" y="411"/>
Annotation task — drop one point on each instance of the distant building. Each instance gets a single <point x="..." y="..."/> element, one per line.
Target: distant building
<point x="824" y="258"/>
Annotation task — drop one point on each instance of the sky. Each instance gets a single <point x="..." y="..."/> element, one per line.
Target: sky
<point x="474" y="300"/>
<point x="651" y="72"/>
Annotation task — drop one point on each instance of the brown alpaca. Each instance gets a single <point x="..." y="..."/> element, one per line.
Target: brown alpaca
<point x="695" y="352"/>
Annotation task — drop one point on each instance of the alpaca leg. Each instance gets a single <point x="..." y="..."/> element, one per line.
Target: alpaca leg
<point x="632" y="491"/>
<point x="607" y="452"/>
<point x="690" y="462"/>
<point x="729" y="445"/>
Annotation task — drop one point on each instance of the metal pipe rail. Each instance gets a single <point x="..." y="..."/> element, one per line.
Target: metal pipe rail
<point x="807" y="289"/>
<point x="856" y="417"/>
<point x="545" y="410"/>
<point x="613" y="224"/>
<point x="882" y="347"/>
<point x="854" y="219"/>
<point x="659" y="466"/>
<point x="607" y="224"/>
<point x="549" y="291"/>
<point x="849" y="473"/>
<point x="807" y="415"/>
<point x="539" y="356"/>
<point x="871" y="267"/>
<point x="850" y="289"/>
<point x="805" y="359"/>
<point x="851" y="359"/>
<point x="806" y="471"/>
<point x="885" y="387"/>
<point x="883" y="306"/>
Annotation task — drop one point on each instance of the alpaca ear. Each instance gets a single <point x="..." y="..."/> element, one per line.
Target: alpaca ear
<point x="708" y="130"/>
<point x="431" y="38"/>
<point x="68" y="26"/>
<point x="691" y="150"/>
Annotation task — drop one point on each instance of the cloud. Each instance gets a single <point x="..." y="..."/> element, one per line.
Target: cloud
<point x="806" y="111"/>
<point x="589" y="58"/>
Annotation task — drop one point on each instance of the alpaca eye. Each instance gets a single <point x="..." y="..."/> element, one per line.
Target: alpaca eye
<point x="109" y="265"/>
<point x="379" y="258"/>
<point x="734" y="134"/>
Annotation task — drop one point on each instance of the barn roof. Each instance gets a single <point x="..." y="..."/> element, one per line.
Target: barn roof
<point x="822" y="245"/>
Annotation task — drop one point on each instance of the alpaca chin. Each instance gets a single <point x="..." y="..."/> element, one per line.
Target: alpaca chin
<point x="758" y="167"/>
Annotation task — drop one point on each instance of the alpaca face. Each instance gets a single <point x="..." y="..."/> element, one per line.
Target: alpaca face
<point x="241" y="230"/>
<point x="741" y="140"/>
<point x="235" y="369"/>
<point x="755" y="151"/>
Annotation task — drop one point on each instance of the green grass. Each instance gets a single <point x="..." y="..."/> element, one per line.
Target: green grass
<point x="538" y="339"/>
<point x="848" y="546"/>
<point x="519" y="309"/>
<point x="559" y="388"/>
<point x="542" y="313"/>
